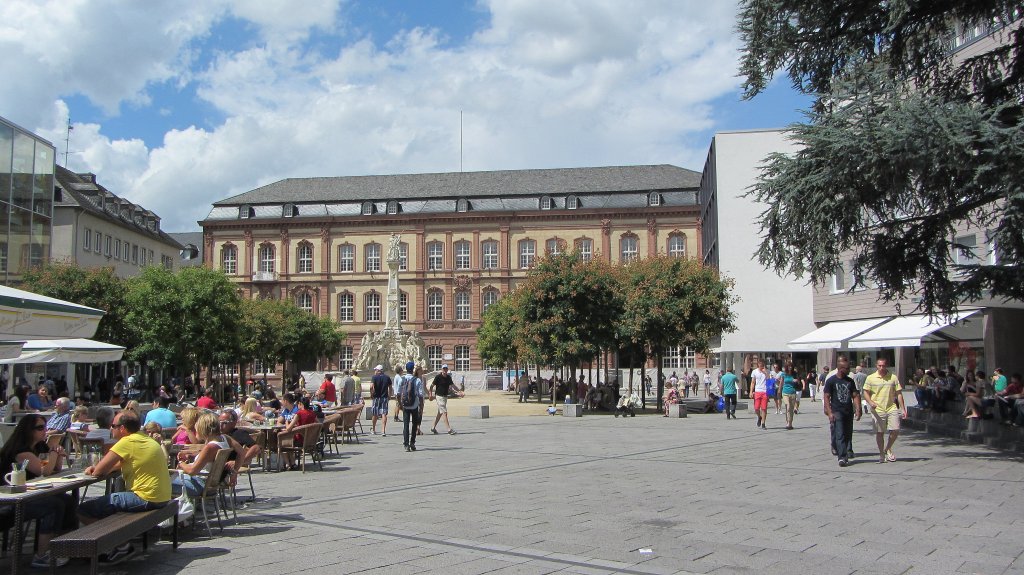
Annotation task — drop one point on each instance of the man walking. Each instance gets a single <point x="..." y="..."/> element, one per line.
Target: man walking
<point x="884" y="395"/>
<point x="841" y="400"/>
<point x="729" y="393"/>
<point x="443" y="384"/>
<point x="380" y="394"/>
<point x="348" y="389"/>
<point x="410" y="397"/>
<point x="759" y="391"/>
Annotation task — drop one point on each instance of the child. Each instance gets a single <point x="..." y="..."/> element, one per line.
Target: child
<point x="154" y="430"/>
<point x="552" y="409"/>
<point x="80" y="418"/>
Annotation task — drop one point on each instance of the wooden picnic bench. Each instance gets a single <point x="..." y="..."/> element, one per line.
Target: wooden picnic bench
<point x="109" y="532"/>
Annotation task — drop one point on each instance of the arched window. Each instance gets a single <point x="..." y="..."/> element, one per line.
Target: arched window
<point x="572" y="202"/>
<point x="489" y="298"/>
<point x="527" y="253"/>
<point x="677" y="245"/>
<point x="462" y="205"/>
<point x="289" y="210"/>
<point x="372" y="257"/>
<point x="392" y="207"/>
<point x="346" y="258"/>
<point x="305" y="301"/>
<point x="435" y="256"/>
<point x="368" y="208"/>
<point x="654" y="199"/>
<point x="435" y="305"/>
<point x="554" y="246"/>
<point x="585" y="247"/>
<point x="628" y="249"/>
<point x="462" y="305"/>
<point x="245" y="212"/>
<point x="228" y="259"/>
<point x="267" y="258"/>
<point x="305" y="258"/>
<point x="403" y="306"/>
<point x="372" y="301"/>
<point x="462" y="260"/>
<point x="489" y="254"/>
<point x="346" y="307"/>
<point x="546" y="203"/>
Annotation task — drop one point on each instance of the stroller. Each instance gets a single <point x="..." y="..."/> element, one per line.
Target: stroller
<point x="628" y="405"/>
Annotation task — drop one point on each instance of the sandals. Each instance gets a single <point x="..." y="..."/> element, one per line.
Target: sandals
<point x="889" y="456"/>
<point x="451" y="432"/>
<point x="433" y="430"/>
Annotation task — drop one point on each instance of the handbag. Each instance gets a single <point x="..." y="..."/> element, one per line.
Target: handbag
<point x="186" y="509"/>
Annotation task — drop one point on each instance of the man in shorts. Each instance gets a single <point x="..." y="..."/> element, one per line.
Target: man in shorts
<point x="143" y="466"/>
<point x="442" y="384"/>
<point x="884" y="395"/>
<point x="759" y="391"/>
<point x="380" y="394"/>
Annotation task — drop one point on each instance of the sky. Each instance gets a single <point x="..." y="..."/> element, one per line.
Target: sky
<point x="175" y="109"/>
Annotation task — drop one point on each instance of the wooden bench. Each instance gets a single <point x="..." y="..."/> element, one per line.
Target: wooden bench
<point x="109" y="532"/>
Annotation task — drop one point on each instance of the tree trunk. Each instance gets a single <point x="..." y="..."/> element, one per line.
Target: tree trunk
<point x="661" y="381"/>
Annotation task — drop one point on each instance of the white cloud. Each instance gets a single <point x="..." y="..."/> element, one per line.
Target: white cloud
<point x="546" y="84"/>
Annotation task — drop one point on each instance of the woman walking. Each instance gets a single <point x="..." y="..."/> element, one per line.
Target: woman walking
<point x="791" y="389"/>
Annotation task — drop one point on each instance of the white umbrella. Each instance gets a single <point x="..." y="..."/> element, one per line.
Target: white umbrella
<point x="26" y="315"/>
<point x="67" y="351"/>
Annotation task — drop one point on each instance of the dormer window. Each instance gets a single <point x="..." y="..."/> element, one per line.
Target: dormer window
<point x="245" y="212"/>
<point x="654" y="199"/>
<point x="367" y="208"/>
<point x="289" y="211"/>
<point x="572" y="202"/>
<point x="462" y="205"/>
<point x="546" y="203"/>
<point x="392" y="207"/>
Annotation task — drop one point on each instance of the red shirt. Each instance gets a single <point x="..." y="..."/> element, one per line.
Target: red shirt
<point x="206" y="402"/>
<point x="330" y="392"/>
<point x="303" y="417"/>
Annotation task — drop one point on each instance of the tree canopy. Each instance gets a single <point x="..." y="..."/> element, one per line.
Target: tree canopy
<point x="907" y="144"/>
<point x="99" y="288"/>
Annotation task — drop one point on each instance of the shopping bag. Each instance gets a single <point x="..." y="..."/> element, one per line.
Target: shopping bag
<point x="186" y="509"/>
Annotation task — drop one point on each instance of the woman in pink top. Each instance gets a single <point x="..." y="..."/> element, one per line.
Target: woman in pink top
<point x="671" y="396"/>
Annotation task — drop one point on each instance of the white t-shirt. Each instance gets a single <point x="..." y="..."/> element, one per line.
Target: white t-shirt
<point x="759" y="379"/>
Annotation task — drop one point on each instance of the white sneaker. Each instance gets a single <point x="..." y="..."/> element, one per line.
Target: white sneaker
<point x="43" y="561"/>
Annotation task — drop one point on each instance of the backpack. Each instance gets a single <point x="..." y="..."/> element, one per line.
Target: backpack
<point x="409" y="397"/>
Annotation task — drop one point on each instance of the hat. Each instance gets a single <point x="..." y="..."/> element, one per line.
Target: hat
<point x="410" y="366"/>
<point x="445" y="366"/>
<point x="379" y="367"/>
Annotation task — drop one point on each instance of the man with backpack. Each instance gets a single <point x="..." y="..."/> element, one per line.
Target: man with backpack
<point x="410" y="397"/>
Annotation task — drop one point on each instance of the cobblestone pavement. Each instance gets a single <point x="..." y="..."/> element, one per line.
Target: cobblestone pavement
<point x="538" y="494"/>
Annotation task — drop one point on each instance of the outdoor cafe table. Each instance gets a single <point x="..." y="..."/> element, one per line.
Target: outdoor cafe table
<point x="60" y="483"/>
<point x="269" y="439"/>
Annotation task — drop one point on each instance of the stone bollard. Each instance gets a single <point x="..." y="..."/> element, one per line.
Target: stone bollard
<point x="677" y="410"/>
<point x="479" y="411"/>
<point x="572" y="410"/>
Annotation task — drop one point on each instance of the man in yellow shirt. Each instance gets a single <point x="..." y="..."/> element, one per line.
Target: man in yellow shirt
<point x="884" y="394"/>
<point x="144" y="467"/>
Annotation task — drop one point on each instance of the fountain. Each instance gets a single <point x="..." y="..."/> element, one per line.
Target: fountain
<point x="392" y="345"/>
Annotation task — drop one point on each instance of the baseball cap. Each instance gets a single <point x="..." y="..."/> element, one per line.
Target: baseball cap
<point x="410" y="366"/>
<point x="379" y="367"/>
<point x="445" y="366"/>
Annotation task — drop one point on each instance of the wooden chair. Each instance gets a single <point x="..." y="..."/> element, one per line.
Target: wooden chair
<point x="310" y="436"/>
<point x="246" y="467"/>
<point x="348" y="424"/>
<point x="330" y="431"/>
<point x="213" y="489"/>
<point x="58" y="439"/>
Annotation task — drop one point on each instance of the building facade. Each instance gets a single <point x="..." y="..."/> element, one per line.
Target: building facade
<point x="467" y="239"/>
<point x="93" y="227"/>
<point x="26" y="200"/>
<point x="771" y="310"/>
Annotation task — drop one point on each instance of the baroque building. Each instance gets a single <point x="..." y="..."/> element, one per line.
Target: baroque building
<point x="467" y="239"/>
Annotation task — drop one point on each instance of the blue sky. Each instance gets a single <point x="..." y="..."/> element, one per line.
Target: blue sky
<point x="175" y="110"/>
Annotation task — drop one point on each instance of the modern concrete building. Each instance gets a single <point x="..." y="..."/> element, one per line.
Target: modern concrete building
<point x="467" y="240"/>
<point x="94" y="227"/>
<point x="26" y="200"/>
<point x="772" y="310"/>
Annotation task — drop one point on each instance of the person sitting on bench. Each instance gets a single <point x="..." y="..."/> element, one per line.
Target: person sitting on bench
<point x="144" y="467"/>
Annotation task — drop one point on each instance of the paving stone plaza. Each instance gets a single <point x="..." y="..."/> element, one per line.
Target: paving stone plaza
<point x="534" y="494"/>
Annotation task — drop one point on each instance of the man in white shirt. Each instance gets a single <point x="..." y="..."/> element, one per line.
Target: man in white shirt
<point x="759" y="391"/>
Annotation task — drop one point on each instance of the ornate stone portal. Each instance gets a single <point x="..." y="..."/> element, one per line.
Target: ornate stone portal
<point x="391" y="346"/>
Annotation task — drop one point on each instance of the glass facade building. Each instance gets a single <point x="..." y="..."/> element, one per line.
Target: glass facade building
<point x="26" y="200"/>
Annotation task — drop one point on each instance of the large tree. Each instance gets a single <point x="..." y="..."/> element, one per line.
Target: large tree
<point x="97" y="287"/>
<point x="906" y="143"/>
<point x="673" y="301"/>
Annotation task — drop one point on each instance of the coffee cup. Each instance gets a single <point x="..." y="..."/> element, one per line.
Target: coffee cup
<point x="15" y="478"/>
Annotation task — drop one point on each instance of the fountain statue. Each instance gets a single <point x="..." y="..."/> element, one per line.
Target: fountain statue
<point x="392" y="345"/>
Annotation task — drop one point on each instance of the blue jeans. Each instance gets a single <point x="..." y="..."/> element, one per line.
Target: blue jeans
<point x="108" y="505"/>
<point x="923" y="396"/>
<point x="193" y="484"/>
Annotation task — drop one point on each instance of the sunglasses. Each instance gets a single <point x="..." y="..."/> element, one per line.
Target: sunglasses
<point x="113" y="425"/>
<point x="40" y="428"/>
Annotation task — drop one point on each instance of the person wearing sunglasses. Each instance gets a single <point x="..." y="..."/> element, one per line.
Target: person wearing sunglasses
<point x="144" y="467"/>
<point x="55" y="513"/>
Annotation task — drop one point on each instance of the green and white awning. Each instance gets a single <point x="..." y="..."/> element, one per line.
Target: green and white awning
<point x="26" y="315"/>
